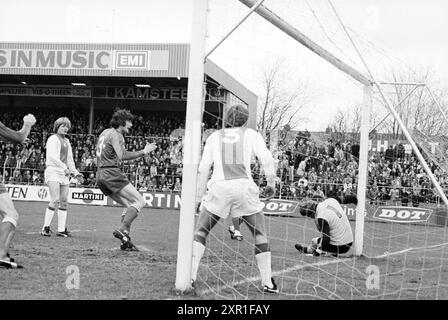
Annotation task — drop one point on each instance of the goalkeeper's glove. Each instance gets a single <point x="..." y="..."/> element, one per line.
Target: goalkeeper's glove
<point x="350" y="199"/>
<point x="316" y="241"/>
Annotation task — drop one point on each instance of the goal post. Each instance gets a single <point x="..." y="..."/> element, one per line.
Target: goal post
<point x="366" y="81"/>
<point x="362" y="169"/>
<point x="191" y="149"/>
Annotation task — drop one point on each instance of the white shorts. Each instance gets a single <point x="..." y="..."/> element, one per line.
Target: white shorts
<point x="56" y="175"/>
<point x="239" y="197"/>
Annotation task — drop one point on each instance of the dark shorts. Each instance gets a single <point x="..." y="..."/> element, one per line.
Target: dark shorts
<point x="111" y="180"/>
<point x="339" y="249"/>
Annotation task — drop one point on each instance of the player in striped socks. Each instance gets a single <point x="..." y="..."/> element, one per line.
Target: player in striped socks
<point x="231" y="189"/>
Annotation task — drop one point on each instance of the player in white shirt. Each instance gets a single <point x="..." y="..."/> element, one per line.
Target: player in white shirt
<point x="332" y="222"/>
<point x="231" y="189"/>
<point x="59" y="167"/>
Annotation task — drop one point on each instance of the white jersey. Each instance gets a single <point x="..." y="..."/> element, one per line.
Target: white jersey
<point x="231" y="151"/>
<point x="340" y="230"/>
<point x="59" y="155"/>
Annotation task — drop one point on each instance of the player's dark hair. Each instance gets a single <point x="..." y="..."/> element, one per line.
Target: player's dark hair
<point x="237" y="116"/>
<point x="349" y="199"/>
<point x="120" y="117"/>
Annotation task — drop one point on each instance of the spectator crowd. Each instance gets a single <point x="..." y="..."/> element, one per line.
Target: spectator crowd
<point x="309" y="168"/>
<point x="306" y="167"/>
<point x="160" y="170"/>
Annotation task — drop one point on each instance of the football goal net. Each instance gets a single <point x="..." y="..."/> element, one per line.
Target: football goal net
<point x="342" y="117"/>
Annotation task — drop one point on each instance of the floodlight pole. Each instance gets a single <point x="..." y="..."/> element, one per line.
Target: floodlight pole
<point x="192" y="145"/>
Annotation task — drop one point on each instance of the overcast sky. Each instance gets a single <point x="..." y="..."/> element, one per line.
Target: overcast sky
<point x="396" y="33"/>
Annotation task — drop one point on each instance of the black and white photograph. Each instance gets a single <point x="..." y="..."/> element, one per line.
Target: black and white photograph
<point x="227" y="156"/>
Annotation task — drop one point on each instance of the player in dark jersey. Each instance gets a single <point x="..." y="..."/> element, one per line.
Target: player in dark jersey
<point x="7" y="211"/>
<point x="111" y="180"/>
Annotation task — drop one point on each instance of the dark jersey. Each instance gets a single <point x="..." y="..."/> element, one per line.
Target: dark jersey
<point x="109" y="141"/>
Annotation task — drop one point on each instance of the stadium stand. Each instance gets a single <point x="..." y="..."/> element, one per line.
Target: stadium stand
<point x="161" y="170"/>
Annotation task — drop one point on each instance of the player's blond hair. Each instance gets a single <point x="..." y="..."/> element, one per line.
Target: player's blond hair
<point x="60" y="121"/>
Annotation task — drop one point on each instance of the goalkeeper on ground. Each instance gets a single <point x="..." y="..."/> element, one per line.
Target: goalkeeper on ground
<point x="332" y="222"/>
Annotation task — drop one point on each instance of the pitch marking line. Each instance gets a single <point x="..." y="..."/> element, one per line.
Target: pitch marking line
<point x="387" y="254"/>
<point x="277" y="273"/>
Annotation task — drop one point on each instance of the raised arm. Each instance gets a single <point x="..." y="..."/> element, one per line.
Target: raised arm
<point x="123" y="154"/>
<point x="18" y="136"/>
<point x="204" y="169"/>
<point x="267" y="163"/>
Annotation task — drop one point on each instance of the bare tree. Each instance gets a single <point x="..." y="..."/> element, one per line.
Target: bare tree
<point x="280" y="105"/>
<point x="354" y="122"/>
<point x="339" y="126"/>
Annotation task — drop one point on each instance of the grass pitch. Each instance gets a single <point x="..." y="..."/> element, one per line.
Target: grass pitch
<point x="411" y="260"/>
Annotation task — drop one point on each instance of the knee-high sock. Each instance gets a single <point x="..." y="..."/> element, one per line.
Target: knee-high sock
<point x="198" y="252"/>
<point x="49" y="213"/>
<point x="62" y="219"/>
<point x="264" y="266"/>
